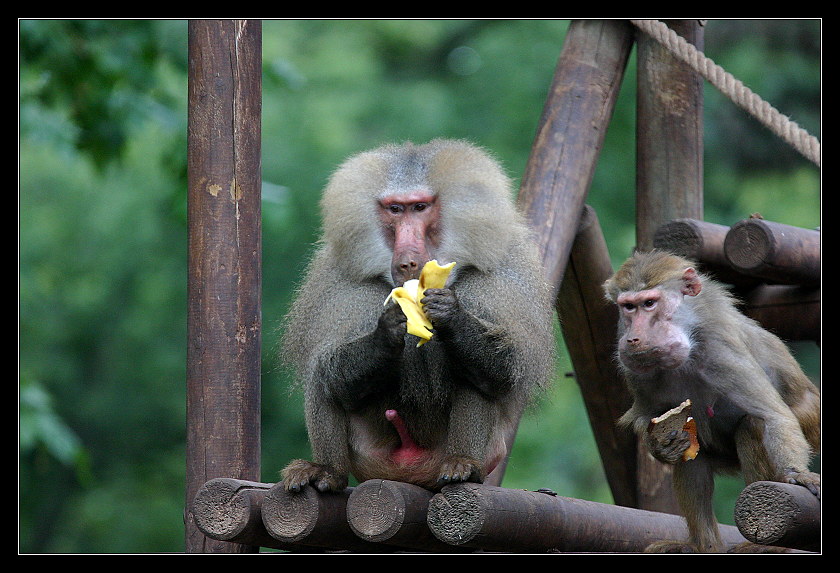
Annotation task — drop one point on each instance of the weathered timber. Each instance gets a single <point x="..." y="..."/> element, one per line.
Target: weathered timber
<point x="224" y="257"/>
<point x="589" y="324"/>
<point x="499" y="519"/>
<point x="702" y="242"/>
<point x="565" y="151"/>
<point x="790" y="312"/>
<point x="775" y="252"/>
<point x="669" y="134"/>
<point x="570" y="135"/>
<point x="231" y="510"/>
<point x="780" y="514"/>
<point x="698" y="240"/>
<point x="311" y="518"/>
<point x="393" y="513"/>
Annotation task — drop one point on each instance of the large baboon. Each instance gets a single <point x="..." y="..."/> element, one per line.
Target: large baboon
<point x="377" y="404"/>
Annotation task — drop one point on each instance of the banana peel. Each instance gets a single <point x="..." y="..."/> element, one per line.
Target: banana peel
<point x="409" y="295"/>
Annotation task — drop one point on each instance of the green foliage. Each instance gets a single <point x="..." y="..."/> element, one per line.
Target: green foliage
<point x="99" y="78"/>
<point x="43" y="432"/>
<point x="102" y="234"/>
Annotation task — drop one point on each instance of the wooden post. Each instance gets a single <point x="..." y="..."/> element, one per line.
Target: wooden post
<point x="569" y="138"/>
<point x="669" y="180"/>
<point x="565" y="149"/>
<point x="590" y="323"/>
<point x="223" y="319"/>
<point x="790" y="312"/>
<point x="698" y="240"/>
<point x="669" y="135"/>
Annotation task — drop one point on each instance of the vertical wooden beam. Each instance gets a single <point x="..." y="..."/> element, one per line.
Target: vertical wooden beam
<point x="669" y="181"/>
<point x="669" y="132"/>
<point x="224" y="292"/>
<point x="570" y="134"/>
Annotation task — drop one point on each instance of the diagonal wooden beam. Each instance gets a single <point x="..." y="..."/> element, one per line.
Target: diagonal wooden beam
<point x="571" y="132"/>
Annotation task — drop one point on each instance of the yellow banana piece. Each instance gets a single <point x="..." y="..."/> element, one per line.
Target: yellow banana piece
<point x="410" y="294"/>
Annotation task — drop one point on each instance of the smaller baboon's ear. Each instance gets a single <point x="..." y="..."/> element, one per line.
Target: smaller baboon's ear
<point x="691" y="282"/>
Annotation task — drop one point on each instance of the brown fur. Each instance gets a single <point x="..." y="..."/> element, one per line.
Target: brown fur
<point x="461" y="393"/>
<point x="754" y="407"/>
<point x="653" y="269"/>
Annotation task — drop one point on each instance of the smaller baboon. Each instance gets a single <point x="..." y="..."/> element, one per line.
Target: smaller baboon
<point x="681" y="337"/>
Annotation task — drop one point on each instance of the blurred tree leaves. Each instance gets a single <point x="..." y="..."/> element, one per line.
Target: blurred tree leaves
<point x="102" y="271"/>
<point x="42" y="429"/>
<point x="102" y="227"/>
<point x="97" y="79"/>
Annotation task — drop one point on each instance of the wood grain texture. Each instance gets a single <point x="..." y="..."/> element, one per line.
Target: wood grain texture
<point x="224" y="258"/>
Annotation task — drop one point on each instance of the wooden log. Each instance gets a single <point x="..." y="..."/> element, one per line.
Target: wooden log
<point x="702" y="242"/>
<point x="570" y="135"/>
<point x="775" y="252"/>
<point x="790" y="312"/>
<point x="589" y="324"/>
<point x="697" y="240"/>
<point x="231" y="510"/>
<point x="312" y="519"/>
<point x="781" y="514"/>
<point x="498" y="519"/>
<point x="224" y="257"/>
<point x="669" y="134"/>
<point x="393" y="513"/>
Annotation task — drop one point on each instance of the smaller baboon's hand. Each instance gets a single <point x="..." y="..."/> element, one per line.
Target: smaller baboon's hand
<point x="669" y="449"/>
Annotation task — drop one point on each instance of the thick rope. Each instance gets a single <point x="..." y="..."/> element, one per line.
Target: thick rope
<point x="734" y="89"/>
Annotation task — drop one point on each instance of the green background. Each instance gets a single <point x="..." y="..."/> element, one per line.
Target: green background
<point x="102" y="229"/>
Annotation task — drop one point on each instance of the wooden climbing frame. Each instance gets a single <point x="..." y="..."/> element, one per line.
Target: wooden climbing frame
<point x="228" y="510"/>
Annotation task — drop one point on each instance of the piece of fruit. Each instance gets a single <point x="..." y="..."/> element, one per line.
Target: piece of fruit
<point x="409" y="295"/>
<point x="694" y="449"/>
<point x="678" y="418"/>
